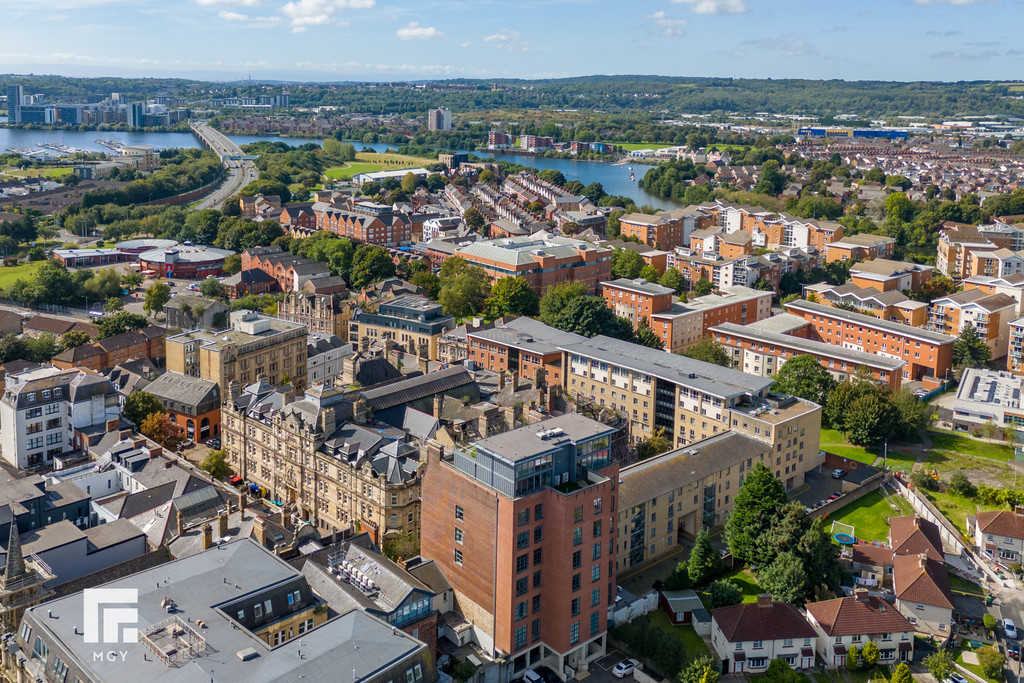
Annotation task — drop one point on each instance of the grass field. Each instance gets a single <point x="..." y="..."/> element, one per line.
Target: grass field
<point x="870" y="516"/>
<point x="630" y="146"/>
<point x="48" y="172"/>
<point x="350" y="170"/>
<point x="955" y="508"/>
<point x="8" y="275"/>
<point x="833" y="442"/>
<point x="947" y="441"/>
<point x="692" y="643"/>
<point x="393" y="161"/>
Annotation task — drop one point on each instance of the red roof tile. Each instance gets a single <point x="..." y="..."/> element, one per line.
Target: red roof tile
<point x="928" y="584"/>
<point x="1001" y="523"/>
<point x="849" y="617"/>
<point x="911" y="535"/>
<point x="752" y="621"/>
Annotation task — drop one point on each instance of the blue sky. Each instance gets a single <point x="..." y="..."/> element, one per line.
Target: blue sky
<point x="321" y="40"/>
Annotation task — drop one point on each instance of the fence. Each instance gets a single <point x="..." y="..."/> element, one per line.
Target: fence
<point x="923" y="507"/>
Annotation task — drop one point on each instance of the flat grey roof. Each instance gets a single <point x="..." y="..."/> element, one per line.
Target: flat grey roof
<point x="640" y="285"/>
<point x="810" y="346"/>
<point x="872" y="321"/>
<point x="524" y="442"/>
<point x="706" y="377"/>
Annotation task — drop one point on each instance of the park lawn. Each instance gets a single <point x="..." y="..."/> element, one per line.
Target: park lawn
<point x="394" y="161"/>
<point x="47" y="172"/>
<point x="833" y="442"/>
<point x="9" y="274"/>
<point x="351" y="169"/>
<point x="870" y="515"/>
<point x="693" y="644"/>
<point x="947" y="441"/>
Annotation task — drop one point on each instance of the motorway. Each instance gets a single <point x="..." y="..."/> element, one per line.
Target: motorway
<point x="240" y="172"/>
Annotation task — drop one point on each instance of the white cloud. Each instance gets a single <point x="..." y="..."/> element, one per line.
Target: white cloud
<point x="232" y="16"/>
<point x="305" y="13"/>
<point x="665" y="25"/>
<point x="715" y="6"/>
<point x="788" y="44"/>
<point x="465" y="44"/>
<point x="236" y="3"/>
<point x="413" y="31"/>
<point x="508" y="40"/>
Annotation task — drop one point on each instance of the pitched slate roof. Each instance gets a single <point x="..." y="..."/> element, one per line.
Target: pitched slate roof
<point x="756" y="621"/>
<point x="849" y="616"/>
<point x="417" y="387"/>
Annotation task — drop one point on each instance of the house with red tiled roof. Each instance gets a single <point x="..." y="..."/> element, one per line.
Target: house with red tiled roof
<point x="921" y="585"/>
<point x="911" y="535"/>
<point x="749" y="636"/>
<point x="1000" y="534"/>
<point x="846" y="622"/>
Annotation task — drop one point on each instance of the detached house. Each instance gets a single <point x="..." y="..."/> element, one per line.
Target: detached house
<point x="749" y="636"/>
<point x="844" y="622"/>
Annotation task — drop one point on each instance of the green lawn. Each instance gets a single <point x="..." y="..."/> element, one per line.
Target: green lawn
<point x="745" y="581"/>
<point x="870" y="515"/>
<point x="350" y="170"/>
<point x="8" y="274"/>
<point x="630" y="146"/>
<point x="955" y="508"/>
<point x="833" y="442"/>
<point x="45" y="172"/>
<point x="692" y="643"/>
<point x="964" y="586"/>
<point x="947" y="441"/>
<point x="973" y="668"/>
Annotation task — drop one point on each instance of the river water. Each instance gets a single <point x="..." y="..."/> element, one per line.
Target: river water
<point x="614" y="179"/>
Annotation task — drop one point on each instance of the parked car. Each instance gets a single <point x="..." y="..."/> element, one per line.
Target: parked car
<point x="235" y="480"/>
<point x="548" y="674"/>
<point x="1013" y="650"/>
<point x="838" y="473"/>
<point x="532" y="676"/>
<point x="955" y="678"/>
<point x="213" y="443"/>
<point x="834" y="496"/>
<point x="625" y="668"/>
<point x="1009" y="628"/>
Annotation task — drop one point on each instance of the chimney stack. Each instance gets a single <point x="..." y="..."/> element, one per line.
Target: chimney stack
<point x="860" y="595"/>
<point x="1018" y="510"/>
<point x="764" y="600"/>
<point x="181" y="523"/>
<point x="438" y="405"/>
<point x="922" y="560"/>
<point x="222" y="525"/>
<point x="207" y="536"/>
<point x="917" y="521"/>
<point x="501" y="380"/>
<point x="515" y="381"/>
<point x="243" y="499"/>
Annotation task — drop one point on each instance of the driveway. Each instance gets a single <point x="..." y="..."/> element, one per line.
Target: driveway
<point x="601" y="669"/>
<point x="818" y="487"/>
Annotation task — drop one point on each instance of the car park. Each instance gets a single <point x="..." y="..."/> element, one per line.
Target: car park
<point x="625" y="668"/>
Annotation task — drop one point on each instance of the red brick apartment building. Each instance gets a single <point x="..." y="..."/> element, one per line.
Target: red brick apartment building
<point x="522" y="525"/>
<point x="860" y="247"/>
<point x="106" y="353"/>
<point x="523" y="346"/>
<point x="887" y="276"/>
<point x="929" y="355"/>
<point x="289" y="270"/>
<point x="366" y="222"/>
<point x="543" y="261"/>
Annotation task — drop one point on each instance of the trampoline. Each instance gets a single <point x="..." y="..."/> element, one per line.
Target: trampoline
<point x="844" y="539"/>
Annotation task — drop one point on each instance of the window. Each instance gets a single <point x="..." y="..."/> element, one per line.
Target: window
<point x="574" y="633"/>
<point x="523" y="517"/>
<point x="757" y="644"/>
<point x="575" y="607"/>
<point x="26" y="631"/>
<point x="595" y="597"/>
<point x="597" y="528"/>
<point x="577" y="536"/>
<point x="60" y="670"/>
<point x="522" y="585"/>
<point x="597" y="551"/>
<point x="458" y="557"/>
<point x="535" y="630"/>
<point x="536" y="604"/>
<point x="536" y="556"/>
<point x="577" y="514"/>
<point x="575" y="582"/>
<point x="536" y="579"/>
<point x="597" y="506"/>
<point x="520" y="637"/>
<point x="538" y="534"/>
<point x="787" y="642"/>
<point x="257" y="610"/>
<point x="459" y="514"/>
<point x="577" y="559"/>
<point x="595" y="573"/>
<point x="595" y="622"/>
<point x="521" y="610"/>
<point x="522" y="540"/>
<point x="522" y="563"/>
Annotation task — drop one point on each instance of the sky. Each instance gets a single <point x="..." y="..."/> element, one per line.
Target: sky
<point x="374" y="40"/>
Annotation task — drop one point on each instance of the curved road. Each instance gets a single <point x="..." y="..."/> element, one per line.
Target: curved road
<point x="241" y="172"/>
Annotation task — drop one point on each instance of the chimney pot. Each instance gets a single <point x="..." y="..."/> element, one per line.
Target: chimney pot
<point x="764" y="600"/>
<point x="861" y="595"/>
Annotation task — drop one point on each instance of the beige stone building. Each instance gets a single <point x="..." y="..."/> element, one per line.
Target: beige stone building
<point x="255" y="347"/>
<point x="673" y="495"/>
<point x="317" y="455"/>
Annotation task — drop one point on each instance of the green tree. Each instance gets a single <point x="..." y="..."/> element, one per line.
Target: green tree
<point x="912" y="414"/>
<point x="370" y="263"/>
<point x="409" y="182"/>
<point x="216" y="465"/>
<point x="119" y="323"/>
<point x="464" y="288"/>
<point x="474" y="219"/>
<point x="404" y="545"/>
<point x="989" y="622"/>
<point x="784" y="578"/>
<point x="853" y="658"/>
<point x="626" y="264"/>
<point x="991" y="662"/>
<point x="557" y="298"/>
<point x="42" y="348"/>
<point x="648" y="337"/>
<point x="940" y="664"/>
<point x="113" y="305"/>
<point x="869" y="420"/>
<point x="779" y="671"/>
<point x="140" y="405"/>
<point x="429" y="282"/>
<point x="679" y="578"/>
<point x="103" y="284"/>
<point x="512" y="296"/>
<point x="899" y="209"/>
<point x="970" y="350"/>
<point x="709" y="351"/>
<point x="672" y="279"/>
<point x="701" y="669"/>
<point x="157" y="296"/>
<point x="960" y="485"/>
<point x="804" y="377"/>
<point x="753" y="511"/>
<point x="211" y="288"/>
<point x="902" y="674"/>
<point x="73" y="339"/>
<point x="160" y="428"/>
<point x="233" y="264"/>
<point x="724" y="593"/>
<point x="590" y="316"/>
<point x="655" y="444"/>
<point x="870" y="653"/>
<point x="703" y="287"/>
<point x="650" y="273"/>
<point x="704" y="563"/>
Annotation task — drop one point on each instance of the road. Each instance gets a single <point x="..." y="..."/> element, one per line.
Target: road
<point x="240" y="172"/>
